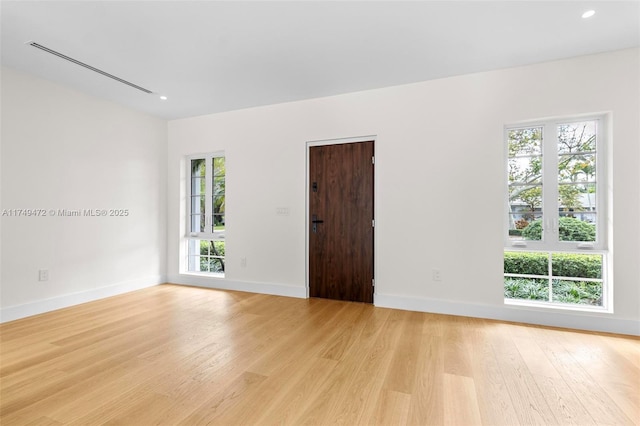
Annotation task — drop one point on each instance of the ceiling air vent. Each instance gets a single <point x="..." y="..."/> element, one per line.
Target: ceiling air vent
<point x="87" y="66"/>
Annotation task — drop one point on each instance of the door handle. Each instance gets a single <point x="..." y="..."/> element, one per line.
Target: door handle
<point x="315" y="221"/>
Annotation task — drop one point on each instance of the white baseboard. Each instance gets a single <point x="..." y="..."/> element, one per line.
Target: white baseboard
<point x="576" y="320"/>
<point x="538" y="316"/>
<point x="11" y="313"/>
<point x="251" y="287"/>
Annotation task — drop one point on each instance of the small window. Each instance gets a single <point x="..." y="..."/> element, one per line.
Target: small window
<point x="572" y="278"/>
<point x="206" y="256"/>
<point x="206" y="214"/>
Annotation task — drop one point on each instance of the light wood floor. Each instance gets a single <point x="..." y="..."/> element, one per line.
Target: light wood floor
<point x="178" y="355"/>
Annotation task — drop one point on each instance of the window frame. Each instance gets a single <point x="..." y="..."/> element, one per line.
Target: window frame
<point x="604" y="280"/>
<point x="209" y="233"/>
<point x="550" y="208"/>
<point x="550" y="205"/>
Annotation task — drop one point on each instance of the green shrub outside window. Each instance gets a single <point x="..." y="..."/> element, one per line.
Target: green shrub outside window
<point x="569" y="228"/>
<point x="534" y="282"/>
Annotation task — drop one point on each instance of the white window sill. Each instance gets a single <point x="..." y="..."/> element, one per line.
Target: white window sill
<point x="557" y="306"/>
<point x="204" y="274"/>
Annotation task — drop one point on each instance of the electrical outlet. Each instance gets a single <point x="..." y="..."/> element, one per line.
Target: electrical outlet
<point x="243" y="262"/>
<point x="436" y="274"/>
<point x="282" y="211"/>
<point x="43" y="275"/>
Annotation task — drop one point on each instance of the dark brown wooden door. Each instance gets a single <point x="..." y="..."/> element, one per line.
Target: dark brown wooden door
<point x="341" y="221"/>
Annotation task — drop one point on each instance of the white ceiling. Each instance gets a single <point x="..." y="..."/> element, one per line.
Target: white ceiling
<point x="209" y="57"/>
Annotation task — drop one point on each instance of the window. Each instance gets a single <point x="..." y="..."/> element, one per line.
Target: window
<point x="555" y="242"/>
<point x="206" y="214"/>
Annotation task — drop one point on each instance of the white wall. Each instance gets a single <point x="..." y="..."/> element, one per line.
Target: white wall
<point x="65" y="150"/>
<point x="439" y="184"/>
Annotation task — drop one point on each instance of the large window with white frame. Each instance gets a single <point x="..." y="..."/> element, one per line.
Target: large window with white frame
<point x="206" y="214"/>
<point x="555" y="250"/>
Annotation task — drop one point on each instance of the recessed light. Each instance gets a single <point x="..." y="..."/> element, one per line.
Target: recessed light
<point x="164" y="98"/>
<point x="588" y="14"/>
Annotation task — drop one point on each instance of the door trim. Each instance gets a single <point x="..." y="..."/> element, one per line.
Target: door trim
<point x="323" y="142"/>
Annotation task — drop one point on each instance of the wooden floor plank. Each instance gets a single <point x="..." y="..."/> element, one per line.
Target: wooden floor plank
<point x="611" y="369"/>
<point x="392" y="409"/>
<point x="303" y="391"/>
<point x="427" y="403"/>
<point x="375" y="347"/>
<point x="172" y="355"/>
<point x="564" y="404"/>
<point x="603" y="409"/>
<point x="494" y="401"/>
<point x="460" y="401"/>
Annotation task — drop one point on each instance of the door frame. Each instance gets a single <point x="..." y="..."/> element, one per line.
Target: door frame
<point x="340" y="141"/>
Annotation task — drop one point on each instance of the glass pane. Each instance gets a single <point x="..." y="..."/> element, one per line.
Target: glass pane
<point x="521" y="228"/>
<point x="525" y="170"/>
<point x="577" y="292"/>
<point x="577" y="212"/>
<point x="215" y="262"/>
<point x="218" y="222"/>
<point x="216" y="265"/>
<point x="218" y="201"/>
<point x="204" y="264"/>
<point x="218" y="213"/>
<point x="588" y="217"/>
<point x="526" y="141"/>
<point x="525" y="212"/>
<point x="197" y="213"/>
<point x="572" y="228"/>
<point x="526" y="288"/>
<point x="197" y="223"/>
<point x="576" y="265"/>
<point x="197" y="204"/>
<point x="205" y="247"/>
<point x="577" y="198"/>
<point x="525" y="183"/>
<point x="193" y="261"/>
<point x="218" y="166"/>
<point x="525" y="198"/>
<point x="218" y="186"/>
<point x="527" y="263"/>
<point x="218" y="205"/>
<point x="577" y="137"/>
<point x="574" y="168"/>
<point x="198" y="167"/>
<point x="218" y="248"/>
<point x="198" y="182"/>
<point x="206" y="256"/>
<point x="197" y="186"/>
